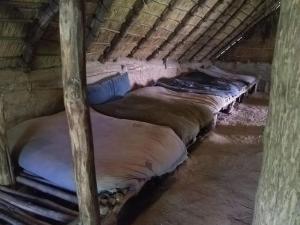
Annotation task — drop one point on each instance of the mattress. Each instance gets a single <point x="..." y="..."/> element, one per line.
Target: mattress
<point x="127" y="153"/>
<point x="153" y="106"/>
<point x="212" y="102"/>
<point x="200" y="83"/>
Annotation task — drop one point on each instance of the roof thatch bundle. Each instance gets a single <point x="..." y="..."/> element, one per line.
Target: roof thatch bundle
<point x="144" y="29"/>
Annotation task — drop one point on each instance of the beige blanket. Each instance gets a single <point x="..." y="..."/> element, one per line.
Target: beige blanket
<point x="154" y="105"/>
<point x="127" y="153"/>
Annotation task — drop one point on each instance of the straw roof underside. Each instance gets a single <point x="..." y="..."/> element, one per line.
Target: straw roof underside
<point x="182" y="30"/>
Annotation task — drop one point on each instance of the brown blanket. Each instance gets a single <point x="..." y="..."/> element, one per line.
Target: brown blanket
<point x="185" y="118"/>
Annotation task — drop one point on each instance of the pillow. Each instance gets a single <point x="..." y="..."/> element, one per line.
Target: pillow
<point x="108" y="89"/>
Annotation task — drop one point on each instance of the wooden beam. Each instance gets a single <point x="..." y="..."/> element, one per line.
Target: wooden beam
<point x="236" y="11"/>
<point x="6" y="168"/>
<point x="178" y="28"/>
<point x="72" y="35"/>
<point x="195" y="41"/>
<point x="47" y="189"/>
<point x="94" y="27"/>
<point x="198" y="25"/>
<point x="131" y="18"/>
<point x="278" y="195"/>
<point x="249" y="16"/>
<point x="157" y="23"/>
<point x="241" y="33"/>
<point x="37" y="30"/>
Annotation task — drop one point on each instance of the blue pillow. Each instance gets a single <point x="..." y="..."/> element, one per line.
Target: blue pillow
<point x="108" y="89"/>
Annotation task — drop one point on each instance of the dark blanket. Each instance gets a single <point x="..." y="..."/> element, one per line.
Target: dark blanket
<point x="201" y="83"/>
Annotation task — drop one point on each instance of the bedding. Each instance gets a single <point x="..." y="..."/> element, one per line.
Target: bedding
<point x="108" y="89"/>
<point x="153" y="106"/>
<point x="201" y="83"/>
<point x="127" y="153"/>
<point x="212" y="102"/>
<point x="216" y="71"/>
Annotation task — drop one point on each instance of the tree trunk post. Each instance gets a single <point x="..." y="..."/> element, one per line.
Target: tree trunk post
<point x="72" y="33"/>
<point x="6" y="170"/>
<point x="278" y="196"/>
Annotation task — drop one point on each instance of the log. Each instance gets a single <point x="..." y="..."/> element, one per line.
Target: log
<point x="38" y="210"/>
<point x="9" y="219"/>
<point x="44" y="202"/>
<point x="19" y="214"/>
<point x="72" y="33"/>
<point x="47" y="189"/>
<point x="278" y="199"/>
<point x="6" y="169"/>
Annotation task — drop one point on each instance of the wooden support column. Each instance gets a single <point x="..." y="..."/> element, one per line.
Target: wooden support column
<point x="6" y="169"/>
<point x="278" y="196"/>
<point x="72" y="33"/>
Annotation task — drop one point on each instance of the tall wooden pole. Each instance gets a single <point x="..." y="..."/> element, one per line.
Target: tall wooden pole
<point x="278" y="196"/>
<point x="72" y="33"/>
<point x="6" y="171"/>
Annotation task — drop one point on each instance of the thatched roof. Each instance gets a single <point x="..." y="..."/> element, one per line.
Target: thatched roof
<point x="182" y="30"/>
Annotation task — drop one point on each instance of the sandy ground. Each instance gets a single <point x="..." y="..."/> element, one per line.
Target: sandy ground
<point x="217" y="185"/>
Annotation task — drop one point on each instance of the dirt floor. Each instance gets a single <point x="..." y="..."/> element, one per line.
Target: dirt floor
<point x="217" y="185"/>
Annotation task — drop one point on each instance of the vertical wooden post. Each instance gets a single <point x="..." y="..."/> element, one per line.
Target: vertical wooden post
<point x="278" y="196"/>
<point x="6" y="170"/>
<point x="72" y="33"/>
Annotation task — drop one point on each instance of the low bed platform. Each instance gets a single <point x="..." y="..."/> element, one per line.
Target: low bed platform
<point x="124" y="163"/>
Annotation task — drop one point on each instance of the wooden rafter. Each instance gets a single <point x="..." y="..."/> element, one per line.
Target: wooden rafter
<point x="248" y="27"/>
<point x="38" y="29"/>
<point x="177" y="30"/>
<point x="207" y="15"/>
<point x="195" y="41"/>
<point x="95" y="25"/>
<point x="236" y="11"/>
<point x="157" y="23"/>
<point x="245" y="22"/>
<point x="131" y="18"/>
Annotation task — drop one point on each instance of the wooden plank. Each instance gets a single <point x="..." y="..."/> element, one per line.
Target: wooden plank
<point x="6" y="169"/>
<point x="72" y="33"/>
<point x="36" y="209"/>
<point x="47" y="189"/>
<point x="19" y="214"/>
